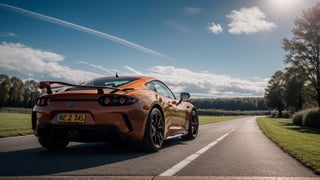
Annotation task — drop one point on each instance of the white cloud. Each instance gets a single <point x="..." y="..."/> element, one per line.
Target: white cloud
<point x="132" y="70"/>
<point x="191" y="10"/>
<point x="215" y="28"/>
<point x="83" y="62"/>
<point x="8" y="34"/>
<point x="99" y="67"/>
<point x="38" y="63"/>
<point x="204" y="84"/>
<point x="248" y="20"/>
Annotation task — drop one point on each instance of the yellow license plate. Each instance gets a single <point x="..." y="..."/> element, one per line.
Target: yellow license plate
<point x="77" y="118"/>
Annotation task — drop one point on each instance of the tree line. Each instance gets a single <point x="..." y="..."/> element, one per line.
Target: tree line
<point x="231" y="104"/>
<point x="297" y="87"/>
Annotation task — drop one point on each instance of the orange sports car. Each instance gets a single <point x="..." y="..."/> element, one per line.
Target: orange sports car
<point x="129" y="108"/>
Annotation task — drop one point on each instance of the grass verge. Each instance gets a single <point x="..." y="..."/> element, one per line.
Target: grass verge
<point x="301" y="142"/>
<point x="15" y="124"/>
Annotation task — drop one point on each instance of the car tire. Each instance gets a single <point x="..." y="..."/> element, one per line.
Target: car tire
<point x="154" y="131"/>
<point x="53" y="143"/>
<point x="193" y="126"/>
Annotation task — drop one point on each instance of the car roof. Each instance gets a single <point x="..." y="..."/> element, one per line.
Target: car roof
<point x="137" y="80"/>
<point x="138" y="77"/>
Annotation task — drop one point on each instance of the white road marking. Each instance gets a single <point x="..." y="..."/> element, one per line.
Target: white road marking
<point x="174" y="169"/>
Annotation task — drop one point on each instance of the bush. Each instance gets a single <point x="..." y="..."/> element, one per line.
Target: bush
<point x="312" y="118"/>
<point x="297" y="118"/>
<point x="308" y="117"/>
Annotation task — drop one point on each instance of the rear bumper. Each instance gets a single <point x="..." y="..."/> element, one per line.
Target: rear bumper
<point x="101" y="123"/>
<point x="80" y="133"/>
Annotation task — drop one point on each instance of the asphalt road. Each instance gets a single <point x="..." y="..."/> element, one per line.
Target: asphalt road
<point x="231" y="148"/>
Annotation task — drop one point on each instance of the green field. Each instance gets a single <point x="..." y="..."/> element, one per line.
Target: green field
<point x="15" y="124"/>
<point x="301" y="142"/>
<point x="214" y="119"/>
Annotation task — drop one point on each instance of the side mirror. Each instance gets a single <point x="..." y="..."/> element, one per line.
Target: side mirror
<point x="185" y="95"/>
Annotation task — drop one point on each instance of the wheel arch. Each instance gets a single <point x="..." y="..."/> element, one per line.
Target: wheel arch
<point x="159" y="107"/>
<point x="162" y="113"/>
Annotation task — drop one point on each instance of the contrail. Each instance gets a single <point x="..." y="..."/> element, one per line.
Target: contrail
<point x="84" y="29"/>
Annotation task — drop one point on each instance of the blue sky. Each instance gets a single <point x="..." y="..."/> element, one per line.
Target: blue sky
<point x="207" y="47"/>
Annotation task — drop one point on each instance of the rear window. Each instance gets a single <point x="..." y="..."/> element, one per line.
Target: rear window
<point x="111" y="81"/>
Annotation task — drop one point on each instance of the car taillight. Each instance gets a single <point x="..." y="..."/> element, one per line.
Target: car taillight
<point x="111" y="100"/>
<point x="107" y="100"/>
<point x="122" y="100"/>
<point x="43" y="101"/>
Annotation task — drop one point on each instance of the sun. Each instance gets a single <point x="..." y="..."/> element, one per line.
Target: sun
<point x="285" y="5"/>
<point x="282" y="2"/>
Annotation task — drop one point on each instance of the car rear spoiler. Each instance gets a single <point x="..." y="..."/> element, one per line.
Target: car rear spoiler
<point x="47" y="85"/>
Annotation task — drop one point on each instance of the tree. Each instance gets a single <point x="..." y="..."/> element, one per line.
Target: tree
<point x="274" y="93"/>
<point x="31" y="93"/>
<point x="5" y="85"/>
<point x="16" y="92"/>
<point x="295" y="87"/>
<point x="303" y="50"/>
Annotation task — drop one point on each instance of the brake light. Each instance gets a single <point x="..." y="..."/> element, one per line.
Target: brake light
<point x="107" y="100"/>
<point x="122" y="100"/>
<point x="111" y="100"/>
